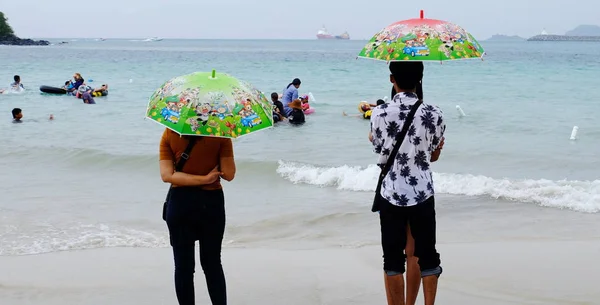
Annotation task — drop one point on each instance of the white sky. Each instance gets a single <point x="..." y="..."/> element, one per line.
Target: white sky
<point x="277" y="19"/>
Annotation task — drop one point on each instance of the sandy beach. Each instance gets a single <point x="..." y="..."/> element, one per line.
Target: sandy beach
<point x="526" y="272"/>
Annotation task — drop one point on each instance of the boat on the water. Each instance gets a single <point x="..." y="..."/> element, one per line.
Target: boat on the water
<point x="344" y="36"/>
<point x="153" y="39"/>
<point x="324" y="34"/>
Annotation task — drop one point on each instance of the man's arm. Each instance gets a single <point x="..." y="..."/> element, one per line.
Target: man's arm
<point x="436" y="153"/>
<point x="439" y="136"/>
<point x="376" y="131"/>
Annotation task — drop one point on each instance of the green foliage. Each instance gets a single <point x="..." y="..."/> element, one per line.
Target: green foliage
<point x="5" y="29"/>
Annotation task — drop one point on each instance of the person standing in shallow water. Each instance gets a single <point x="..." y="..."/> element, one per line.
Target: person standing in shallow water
<point x="196" y="209"/>
<point x="407" y="191"/>
<point x="290" y="94"/>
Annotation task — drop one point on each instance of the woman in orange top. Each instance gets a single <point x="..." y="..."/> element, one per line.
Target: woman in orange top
<point x="196" y="210"/>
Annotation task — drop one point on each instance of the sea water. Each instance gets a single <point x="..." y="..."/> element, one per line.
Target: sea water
<point x="89" y="178"/>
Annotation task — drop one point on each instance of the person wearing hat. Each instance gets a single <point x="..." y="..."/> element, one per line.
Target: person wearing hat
<point x="297" y="116"/>
<point x="289" y="95"/>
<point x="85" y="93"/>
<point x="407" y="192"/>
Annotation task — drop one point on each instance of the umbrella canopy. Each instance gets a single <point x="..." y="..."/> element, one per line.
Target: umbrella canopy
<point x="210" y="104"/>
<point x="422" y="39"/>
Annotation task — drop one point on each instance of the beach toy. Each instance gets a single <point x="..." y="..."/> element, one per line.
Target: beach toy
<point x="574" y="133"/>
<point x="460" y="111"/>
<point x="307" y="108"/>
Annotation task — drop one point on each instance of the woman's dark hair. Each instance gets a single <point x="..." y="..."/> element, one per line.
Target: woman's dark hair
<point x="295" y="82"/>
<point x="380" y="102"/>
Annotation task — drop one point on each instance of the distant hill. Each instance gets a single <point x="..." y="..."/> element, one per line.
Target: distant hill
<point x="505" y="38"/>
<point x="8" y="37"/>
<point x="585" y="30"/>
<point x="580" y="33"/>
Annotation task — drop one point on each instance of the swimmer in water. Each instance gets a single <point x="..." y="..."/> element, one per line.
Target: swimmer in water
<point x="366" y="109"/>
<point x="17" y="114"/>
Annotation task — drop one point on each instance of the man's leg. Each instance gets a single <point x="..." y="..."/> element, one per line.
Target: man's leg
<point x="423" y="227"/>
<point x="393" y="241"/>
<point x="413" y="274"/>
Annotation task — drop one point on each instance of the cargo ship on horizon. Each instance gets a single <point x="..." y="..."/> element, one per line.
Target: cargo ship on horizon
<point x="324" y="34"/>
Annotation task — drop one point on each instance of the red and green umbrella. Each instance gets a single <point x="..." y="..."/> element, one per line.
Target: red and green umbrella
<point x="422" y="39"/>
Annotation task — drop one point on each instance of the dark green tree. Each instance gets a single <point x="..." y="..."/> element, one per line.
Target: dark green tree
<point x="5" y="29"/>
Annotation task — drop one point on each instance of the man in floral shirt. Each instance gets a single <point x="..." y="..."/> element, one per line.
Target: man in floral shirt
<point x="407" y="190"/>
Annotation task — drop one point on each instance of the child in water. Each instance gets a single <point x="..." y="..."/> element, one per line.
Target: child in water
<point x="305" y="104"/>
<point x="17" y="114"/>
<point x="297" y="116"/>
<point x="278" y="113"/>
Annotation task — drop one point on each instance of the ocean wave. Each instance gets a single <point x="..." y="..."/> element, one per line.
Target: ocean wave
<point x="582" y="196"/>
<point x="317" y="229"/>
<point x="95" y="158"/>
<point x="80" y="237"/>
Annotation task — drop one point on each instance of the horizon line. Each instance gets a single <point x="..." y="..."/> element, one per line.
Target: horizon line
<point x="177" y="38"/>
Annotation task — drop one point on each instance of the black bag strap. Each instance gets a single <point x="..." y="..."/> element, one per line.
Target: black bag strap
<point x="399" y="139"/>
<point x="186" y="154"/>
<point x="178" y="167"/>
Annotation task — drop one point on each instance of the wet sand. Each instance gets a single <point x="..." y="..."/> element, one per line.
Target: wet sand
<point x="523" y="272"/>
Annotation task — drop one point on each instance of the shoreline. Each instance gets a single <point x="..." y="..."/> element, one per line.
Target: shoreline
<point x="532" y="272"/>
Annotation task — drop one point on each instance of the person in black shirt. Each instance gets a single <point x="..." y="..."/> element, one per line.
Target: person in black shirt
<point x="278" y="113"/>
<point x="297" y="116"/>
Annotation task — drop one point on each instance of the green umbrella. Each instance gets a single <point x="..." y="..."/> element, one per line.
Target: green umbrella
<point x="210" y="104"/>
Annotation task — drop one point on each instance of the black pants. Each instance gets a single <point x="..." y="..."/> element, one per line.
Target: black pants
<point x="421" y="219"/>
<point x="197" y="215"/>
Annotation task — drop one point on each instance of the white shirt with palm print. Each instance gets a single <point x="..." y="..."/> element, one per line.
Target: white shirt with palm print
<point x="409" y="181"/>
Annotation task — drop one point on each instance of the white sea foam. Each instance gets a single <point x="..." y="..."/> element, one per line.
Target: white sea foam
<point x="77" y="238"/>
<point x="583" y="196"/>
